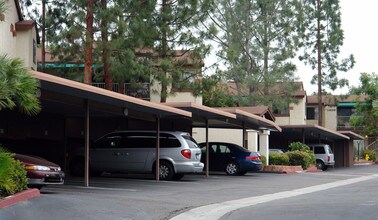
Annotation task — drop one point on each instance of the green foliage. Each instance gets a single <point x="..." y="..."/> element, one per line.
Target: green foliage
<point x="370" y="153"/>
<point x="298" y="146"/>
<point x="257" y="40"/>
<point x="18" y="87"/>
<point x="300" y="158"/>
<point x="263" y="159"/>
<point x="12" y="174"/>
<point x="330" y="35"/>
<point x="366" y="115"/>
<point x="276" y="158"/>
<point x="300" y="154"/>
<point x="213" y="94"/>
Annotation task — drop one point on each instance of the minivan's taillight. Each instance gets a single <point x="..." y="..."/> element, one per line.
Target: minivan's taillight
<point x="329" y="158"/>
<point x="186" y="153"/>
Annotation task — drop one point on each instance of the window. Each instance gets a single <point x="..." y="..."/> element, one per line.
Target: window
<point x="223" y="149"/>
<point x="312" y="113"/>
<point x="108" y="142"/>
<point x="284" y="111"/>
<point x="319" y="150"/>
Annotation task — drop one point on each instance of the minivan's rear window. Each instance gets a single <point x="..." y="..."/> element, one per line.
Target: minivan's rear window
<point x="191" y="142"/>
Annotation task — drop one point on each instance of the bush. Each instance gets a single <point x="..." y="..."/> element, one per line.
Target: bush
<point x="263" y="159"/>
<point x="300" y="158"/>
<point x="370" y="153"/>
<point x="12" y="174"/>
<point x="276" y="158"/>
<point x="298" y="146"/>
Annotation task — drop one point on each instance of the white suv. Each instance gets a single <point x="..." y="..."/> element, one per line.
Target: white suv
<point x="135" y="151"/>
<point x="324" y="155"/>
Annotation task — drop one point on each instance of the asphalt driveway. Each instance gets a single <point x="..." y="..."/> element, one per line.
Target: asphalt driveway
<point x="141" y="197"/>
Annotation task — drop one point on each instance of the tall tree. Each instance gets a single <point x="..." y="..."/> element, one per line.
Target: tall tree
<point x="322" y="37"/>
<point x="177" y="41"/>
<point x="257" y="41"/>
<point x="366" y="115"/>
<point x="18" y="87"/>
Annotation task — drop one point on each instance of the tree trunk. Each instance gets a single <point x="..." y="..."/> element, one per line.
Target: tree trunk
<point x="88" y="60"/>
<point x="164" y="93"/>
<point x="320" y="112"/>
<point x="105" y="52"/>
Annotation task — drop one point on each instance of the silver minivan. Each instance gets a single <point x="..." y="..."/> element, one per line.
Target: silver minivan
<point x="135" y="151"/>
<point x="324" y="155"/>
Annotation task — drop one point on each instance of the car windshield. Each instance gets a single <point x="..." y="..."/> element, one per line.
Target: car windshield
<point x="191" y="142"/>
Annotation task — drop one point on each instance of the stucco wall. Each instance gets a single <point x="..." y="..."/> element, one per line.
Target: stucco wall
<point x="7" y="40"/>
<point x="25" y="41"/>
<point x="298" y="112"/>
<point x="330" y="117"/>
<point x="218" y="134"/>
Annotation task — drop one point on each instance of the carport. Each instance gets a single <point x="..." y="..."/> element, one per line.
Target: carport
<point x="206" y="117"/>
<point x="71" y="107"/>
<point x="340" y="143"/>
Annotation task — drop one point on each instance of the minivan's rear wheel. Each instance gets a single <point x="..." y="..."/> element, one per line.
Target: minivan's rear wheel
<point x="232" y="168"/>
<point x="77" y="166"/>
<point x="320" y="165"/>
<point x="166" y="171"/>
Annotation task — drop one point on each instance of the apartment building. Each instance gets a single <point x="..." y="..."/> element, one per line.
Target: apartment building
<point x="18" y="37"/>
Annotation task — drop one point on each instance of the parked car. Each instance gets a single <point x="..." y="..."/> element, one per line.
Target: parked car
<point x="324" y="155"/>
<point x="40" y="172"/>
<point x="276" y="150"/>
<point x="135" y="152"/>
<point x="231" y="158"/>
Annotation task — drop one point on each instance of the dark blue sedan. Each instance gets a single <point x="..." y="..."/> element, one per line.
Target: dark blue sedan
<point x="230" y="158"/>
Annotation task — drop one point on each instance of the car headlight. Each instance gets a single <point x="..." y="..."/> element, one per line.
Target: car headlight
<point x="37" y="168"/>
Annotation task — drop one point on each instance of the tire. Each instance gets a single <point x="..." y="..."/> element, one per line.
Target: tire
<point x="77" y="166"/>
<point x="232" y="168"/>
<point x="177" y="176"/>
<point x="166" y="171"/>
<point x="320" y="165"/>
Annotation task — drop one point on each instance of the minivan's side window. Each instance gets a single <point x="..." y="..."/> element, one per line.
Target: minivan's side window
<point x="112" y="141"/>
<point x="319" y="150"/>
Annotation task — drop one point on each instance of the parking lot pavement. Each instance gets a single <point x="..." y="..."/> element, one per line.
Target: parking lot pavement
<point x="141" y="197"/>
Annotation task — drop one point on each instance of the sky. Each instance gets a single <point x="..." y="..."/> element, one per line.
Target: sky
<point x="358" y="20"/>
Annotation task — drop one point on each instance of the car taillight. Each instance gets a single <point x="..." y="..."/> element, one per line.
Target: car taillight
<point x="186" y="153"/>
<point x="329" y="158"/>
<point x="253" y="157"/>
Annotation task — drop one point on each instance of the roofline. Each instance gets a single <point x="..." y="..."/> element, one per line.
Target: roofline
<point x="352" y="135"/>
<point x="107" y="93"/>
<point x="253" y="116"/>
<point x="318" y="127"/>
<point x="201" y="107"/>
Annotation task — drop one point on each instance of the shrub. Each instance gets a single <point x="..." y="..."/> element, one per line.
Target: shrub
<point x="298" y="146"/>
<point x="300" y="158"/>
<point x="12" y="174"/>
<point x="370" y="153"/>
<point x="263" y="159"/>
<point x="276" y="158"/>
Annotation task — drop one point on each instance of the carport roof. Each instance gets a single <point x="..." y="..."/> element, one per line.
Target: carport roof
<point x="253" y="121"/>
<point x="310" y="132"/>
<point x="91" y="93"/>
<point x="201" y="110"/>
<point x="352" y="135"/>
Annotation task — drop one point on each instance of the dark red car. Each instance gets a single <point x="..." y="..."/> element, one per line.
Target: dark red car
<point x="40" y="172"/>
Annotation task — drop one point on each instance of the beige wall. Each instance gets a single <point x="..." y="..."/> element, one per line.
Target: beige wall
<point x="298" y="112"/>
<point x="25" y="43"/>
<point x="20" y="45"/>
<point x="218" y="134"/>
<point x="7" y="41"/>
<point x="330" y="117"/>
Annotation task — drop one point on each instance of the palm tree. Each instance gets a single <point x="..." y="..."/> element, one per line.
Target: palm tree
<point x="18" y="87"/>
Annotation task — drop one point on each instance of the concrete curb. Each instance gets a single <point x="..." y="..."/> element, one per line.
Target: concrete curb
<point x="19" y="197"/>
